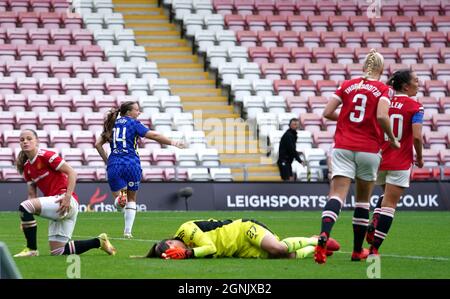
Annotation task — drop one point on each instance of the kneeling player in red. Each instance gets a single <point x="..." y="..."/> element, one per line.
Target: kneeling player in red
<point x="46" y="170"/>
<point x="242" y="238"/>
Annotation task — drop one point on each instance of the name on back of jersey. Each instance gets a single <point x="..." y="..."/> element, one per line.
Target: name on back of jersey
<point x="373" y="89"/>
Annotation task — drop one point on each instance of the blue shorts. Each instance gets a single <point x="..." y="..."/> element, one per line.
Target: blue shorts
<point x="121" y="176"/>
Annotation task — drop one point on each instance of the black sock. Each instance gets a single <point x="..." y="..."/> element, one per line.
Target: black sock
<point x="29" y="227"/>
<point x="80" y="246"/>
<point x="360" y="224"/>
<point x="330" y="214"/>
<point x="376" y="212"/>
<point x="384" y="223"/>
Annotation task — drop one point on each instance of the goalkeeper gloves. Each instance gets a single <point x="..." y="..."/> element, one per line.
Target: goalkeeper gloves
<point x="177" y="253"/>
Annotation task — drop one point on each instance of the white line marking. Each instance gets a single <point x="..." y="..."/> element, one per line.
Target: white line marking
<point x="411" y="257"/>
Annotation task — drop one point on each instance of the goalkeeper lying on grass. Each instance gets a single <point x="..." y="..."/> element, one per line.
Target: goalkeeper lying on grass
<point x="243" y="238"/>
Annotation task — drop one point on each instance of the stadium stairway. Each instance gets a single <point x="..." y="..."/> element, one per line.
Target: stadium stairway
<point x="238" y="147"/>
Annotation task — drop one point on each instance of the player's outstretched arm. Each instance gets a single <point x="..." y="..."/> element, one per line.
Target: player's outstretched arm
<point x="99" y="147"/>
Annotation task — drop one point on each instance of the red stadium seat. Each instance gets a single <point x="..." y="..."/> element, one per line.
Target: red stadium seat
<point x="105" y="70"/>
<point x="394" y="39"/>
<point x="444" y="104"/>
<point x="331" y="40"/>
<point x="26" y="120"/>
<point x="430" y="157"/>
<point x="436" y="39"/>
<point x="61" y="69"/>
<point x="268" y="38"/>
<point x="408" y="55"/>
<point x="17" y="69"/>
<point x="347" y="7"/>
<point x="223" y="7"/>
<point x="50" y="52"/>
<point x="326" y="7"/>
<point x="256" y="22"/>
<point x="61" y="36"/>
<point x="344" y="55"/>
<point x="285" y="7"/>
<point x="415" y="39"/>
<point x="17" y="36"/>
<point x="40" y="5"/>
<point x="441" y="71"/>
<point x="50" y="20"/>
<point x="301" y="55"/>
<point x="315" y="71"/>
<point x="72" y="121"/>
<point x="259" y="54"/>
<point x="28" y="52"/>
<point x="6" y="156"/>
<point x="93" y="121"/>
<point x="382" y="24"/>
<point x="402" y="23"/>
<point x="247" y="38"/>
<point x="305" y="88"/>
<point x="352" y="39"/>
<point x="410" y="8"/>
<point x="60" y="139"/>
<point x="373" y="39"/>
<point x="389" y="54"/>
<point x="244" y="7"/>
<point x="318" y="23"/>
<point x="83" y="139"/>
<point x="92" y="157"/>
<point x="71" y="20"/>
<point x="430" y="104"/>
<point x="38" y="102"/>
<point x="429" y="55"/>
<point x="272" y="71"/>
<point x="93" y="53"/>
<point x="425" y="173"/>
<point x="311" y="122"/>
<point x="49" y="121"/>
<point x="284" y="87"/>
<point x="446" y="173"/>
<point x="317" y="104"/>
<point x="441" y="122"/>
<point x="335" y="71"/>
<point x="323" y="55"/>
<point x="28" y="19"/>
<point x="235" y="22"/>
<point x="177" y="174"/>
<point x="8" y="19"/>
<point x="323" y="139"/>
<point x="104" y="103"/>
<point x="298" y="23"/>
<point x="11" y="175"/>
<point x="83" y="69"/>
<point x="360" y="23"/>
<point x="85" y="174"/>
<point x="297" y="105"/>
<point x="288" y="38"/>
<point x="277" y="23"/>
<point x="293" y="71"/>
<point x="264" y="7"/>
<point x="27" y="85"/>
<point x="423" y="23"/>
<point x="435" y="88"/>
<point x="73" y="156"/>
<point x="280" y="55"/>
<point x="306" y="7"/>
<point x="82" y="37"/>
<point x="390" y="8"/>
<point x="354" y="70"/>
<point x="442" y="23"/>
<point x="444" y="155"/>
<point x="94" y="86"/>
<point x="61" y="103"/>
<point x="326" y="88"/>
<point x="436" y="140"/>
<point x="338" y="23"/>
<point x="309" y="39"/>
<point x="83" y="103"/>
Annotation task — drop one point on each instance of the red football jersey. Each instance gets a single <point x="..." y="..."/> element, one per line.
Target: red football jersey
<point x="43" y="171"/>
<point x="401" y="113"/>
<point x="357" y="127"/>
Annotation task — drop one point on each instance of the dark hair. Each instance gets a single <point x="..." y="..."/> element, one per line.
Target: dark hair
<point x="292" y="120"/>
<point x="399" y="79"/>
<point x="158" y="249"/>
<point x="22" y="157"/>
<point x="111" y="117"/>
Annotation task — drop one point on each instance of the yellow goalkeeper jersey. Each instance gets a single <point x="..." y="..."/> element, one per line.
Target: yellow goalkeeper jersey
<point x="224" y="238"/>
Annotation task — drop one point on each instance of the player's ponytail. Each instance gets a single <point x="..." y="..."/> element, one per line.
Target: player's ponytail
<point x="399" y="79"/>
<point x="373" y="66"/>
<point x="108" y="124"/>
<point x="22" y="157"/>
<point x="111" y="117"/>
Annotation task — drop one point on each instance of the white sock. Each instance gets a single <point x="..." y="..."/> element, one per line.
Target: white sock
<point x="130" y="213"/>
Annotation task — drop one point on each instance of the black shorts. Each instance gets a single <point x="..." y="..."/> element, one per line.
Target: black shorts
<point x="285" y="170"/>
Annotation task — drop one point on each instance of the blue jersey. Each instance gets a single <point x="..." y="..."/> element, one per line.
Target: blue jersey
<point x="125" y="135"/>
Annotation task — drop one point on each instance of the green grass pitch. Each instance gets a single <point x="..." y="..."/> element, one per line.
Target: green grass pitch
<point x="417" y="247"/>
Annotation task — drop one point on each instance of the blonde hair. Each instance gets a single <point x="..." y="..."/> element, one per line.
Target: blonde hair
<point x="373" y="64"/>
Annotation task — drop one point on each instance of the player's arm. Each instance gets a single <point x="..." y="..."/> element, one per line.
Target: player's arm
<point x="205" y="246"/>
<point x="32" y="190"/>
<point x="99" y="147"/>
<point x="71" y="181"/>
<point x="330" y="109"/>
<point x="417" y="137"/>
<point x="161" y="139"/>
<point x="384" y="121"/>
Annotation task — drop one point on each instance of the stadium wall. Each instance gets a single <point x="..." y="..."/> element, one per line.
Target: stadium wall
<point x="234" y="196"/>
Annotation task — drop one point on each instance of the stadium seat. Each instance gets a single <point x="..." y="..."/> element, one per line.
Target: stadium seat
<point x="344" y="55"/>
<point x="382" y="23"/>
<point x="444" y="155"/>
<point x="317" y="103"/>
<point x="60" y="139"/>
<point x="93" y="121"/>
<point x="305" y="88"/>
<point x="297" y="105"/>
<point x="38" y="102"/>
<point x="444" y="103"/>
<point x="309" y="39"/>
<point x="293" y="71"/>
<point x="6" y="156"/>
<point x="425" y="173"/>
<point x="177" y="174"/>
<point x="311" y="122"/>
<point x="60" y="103"/>
<point x="221" y="174"/>
<point x="283" y="120"/>
<point x="441" y="122"/>
<point x="315" y="71"/>
<point x="323" y="139"/>
<point x="92" y="157"/>
<point x="26" y="120"/>
<point x="15" y="102"/>
<point x="436" y="140"/>
<point x="163" y="157"/>
<point x="10" y="174"/>
<point x="39" y="69"/>
<point x="208" y="157"/>
<point x="198" y="174"/>
<point x="73" y="156"/>
<point x="83" y="139"/>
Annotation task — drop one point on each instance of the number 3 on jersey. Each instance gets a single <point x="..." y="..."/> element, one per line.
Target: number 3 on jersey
<point x="357" y="116"/>
<point x="396" y="130"/>
<point x="117" y="138"/>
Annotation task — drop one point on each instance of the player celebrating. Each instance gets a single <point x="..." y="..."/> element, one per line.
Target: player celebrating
<point x="56" y="180"/>
<point x="243" y="238"/>
<point x="124" y="166"/>
<point x="406" y="117"/>
<point x="365" y="105"/>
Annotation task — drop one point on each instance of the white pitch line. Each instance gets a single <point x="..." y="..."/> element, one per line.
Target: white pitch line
<point x="411" y="257"/>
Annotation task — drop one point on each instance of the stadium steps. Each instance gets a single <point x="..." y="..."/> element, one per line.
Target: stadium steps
<point x="237" y="144"/>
